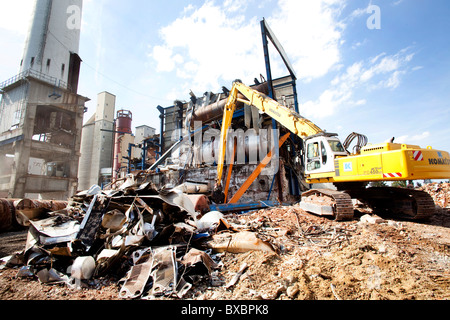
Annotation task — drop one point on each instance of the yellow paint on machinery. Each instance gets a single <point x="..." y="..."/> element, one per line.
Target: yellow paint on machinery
<point x="388" y="162"/>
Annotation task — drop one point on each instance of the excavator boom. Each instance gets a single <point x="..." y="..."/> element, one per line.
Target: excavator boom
<point x="328" y="162"/>
<point x="291" y="120"/>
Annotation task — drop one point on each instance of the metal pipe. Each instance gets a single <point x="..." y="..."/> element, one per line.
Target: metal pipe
<point x="214" y="111"/>
<point x="18" y="212"/>
<point x="6" y="214"/>
<point x="34" y="208"/>
<point x="161" y="134"/>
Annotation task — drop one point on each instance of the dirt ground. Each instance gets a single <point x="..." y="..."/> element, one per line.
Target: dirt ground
<point x="317" y="259"/>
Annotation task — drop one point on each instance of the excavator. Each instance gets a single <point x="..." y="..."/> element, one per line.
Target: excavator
<point x="327" y="161"/>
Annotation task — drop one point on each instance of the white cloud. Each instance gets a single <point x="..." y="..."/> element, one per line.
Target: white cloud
<point x="189" y="8"/>
<point x="311" y="34"/>
<point x="15" y="15"/>
<point x="358" y="44"/>
<point x="415" y="139"/>
<point x="206" y="46"/>
<point x="381" y="72"/>
<point x="164" y="57"/>
<point x="234" y="5"/>
<point x="219" y="43"/>
<point x="396" y="3"/>
<point x="172" y="95"/>
<point x="215" y="44"/>
<point x="327" y="103"/>
<point x="15" y="18"/>
<point x="393" y="81"/>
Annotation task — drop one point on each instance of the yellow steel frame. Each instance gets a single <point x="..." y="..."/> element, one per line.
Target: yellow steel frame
<point x="388" y="162"/>
<point x="285" y="116"/>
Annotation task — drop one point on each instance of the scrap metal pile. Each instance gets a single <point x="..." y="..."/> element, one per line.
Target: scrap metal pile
<point x="152" y="243"/>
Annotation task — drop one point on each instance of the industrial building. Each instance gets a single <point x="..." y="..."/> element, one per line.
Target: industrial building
<point x="41" y="110"/>
<point x="244" y="148"/>
<point x="108" y="146"/>
<point x="143" y="133"/>
<point x="180" y="215"/>
<point x="189" y="149"/>
<point x="97" y="143"/>
<point x="42" y="125"/>
<point x="109" y="149"/>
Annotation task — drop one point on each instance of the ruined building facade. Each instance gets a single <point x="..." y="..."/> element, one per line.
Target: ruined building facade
<point x="41" y="110"/>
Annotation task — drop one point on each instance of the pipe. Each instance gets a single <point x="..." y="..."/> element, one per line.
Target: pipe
<point x="16" y="213"/>
<point x="215" y="111"/>
<point x="161" y="134"/>
<point x="27" y="209"/>
<point x="6" y="214"/>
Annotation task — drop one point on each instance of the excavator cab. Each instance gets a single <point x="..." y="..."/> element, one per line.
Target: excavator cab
<point x="321" y="151"/>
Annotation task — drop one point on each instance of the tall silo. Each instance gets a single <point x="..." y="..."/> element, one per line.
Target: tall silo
<point x="85" y="171"/>
<point x="97" y="144"/>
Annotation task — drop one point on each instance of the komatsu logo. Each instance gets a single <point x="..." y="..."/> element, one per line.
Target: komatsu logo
<point x="440" y="161"/>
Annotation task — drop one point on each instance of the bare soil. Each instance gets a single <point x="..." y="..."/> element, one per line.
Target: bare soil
<point x="317" y="259"/>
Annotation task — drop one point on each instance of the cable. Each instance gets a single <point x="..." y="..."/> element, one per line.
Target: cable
<point x="123" y="86"/>
<point x="109" y="78"/>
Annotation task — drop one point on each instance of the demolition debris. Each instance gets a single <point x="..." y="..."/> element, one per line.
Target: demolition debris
<point x="136" y="242"/>
<point x="153" y="243"/>
<point x="440" y="192"/>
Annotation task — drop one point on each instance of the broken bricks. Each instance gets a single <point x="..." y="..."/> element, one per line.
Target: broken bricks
<point x="153" y="243"/>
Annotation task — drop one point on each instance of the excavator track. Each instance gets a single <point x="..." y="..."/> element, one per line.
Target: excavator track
<point x="397" y="202"/>
<point x="426" y="206"/>
<point x="405" y="203"/>
<point x="328" y="202"/>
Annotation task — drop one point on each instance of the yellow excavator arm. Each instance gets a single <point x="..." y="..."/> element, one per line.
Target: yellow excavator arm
<point x="327" y="161"/>
<point x="291" y="120"/>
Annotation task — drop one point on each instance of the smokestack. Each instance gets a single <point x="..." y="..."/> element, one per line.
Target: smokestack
<point x="52" y="44"/>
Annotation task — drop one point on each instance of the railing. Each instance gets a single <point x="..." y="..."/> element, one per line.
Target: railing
<point x="37" y="75"/>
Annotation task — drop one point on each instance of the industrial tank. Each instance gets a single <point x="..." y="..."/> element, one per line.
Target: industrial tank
<point x="123" y="121"/>
<point x="123" y="129"/>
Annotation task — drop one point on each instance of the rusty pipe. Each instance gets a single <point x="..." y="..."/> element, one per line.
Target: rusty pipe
<point x="214" y="111"/>
<point x="27" y="209"/>
<point x="6" y="215"/>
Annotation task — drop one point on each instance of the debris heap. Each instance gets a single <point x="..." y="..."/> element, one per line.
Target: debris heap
<point x="440" y="192"/>
<point x="151" y="242"/>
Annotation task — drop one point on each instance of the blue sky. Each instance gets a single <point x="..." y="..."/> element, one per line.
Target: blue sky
<point x="384" y="83"/>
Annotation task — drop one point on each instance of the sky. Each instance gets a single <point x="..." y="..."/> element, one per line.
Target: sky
<point x="380" y="67"/>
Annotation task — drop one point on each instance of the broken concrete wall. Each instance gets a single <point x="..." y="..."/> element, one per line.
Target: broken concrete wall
<point x="49" y="121"/>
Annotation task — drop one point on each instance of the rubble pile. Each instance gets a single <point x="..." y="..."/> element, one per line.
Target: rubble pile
<point x="136" y="242"/>
<point x="152" y="243"/>
<point x="440" y="192"/>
